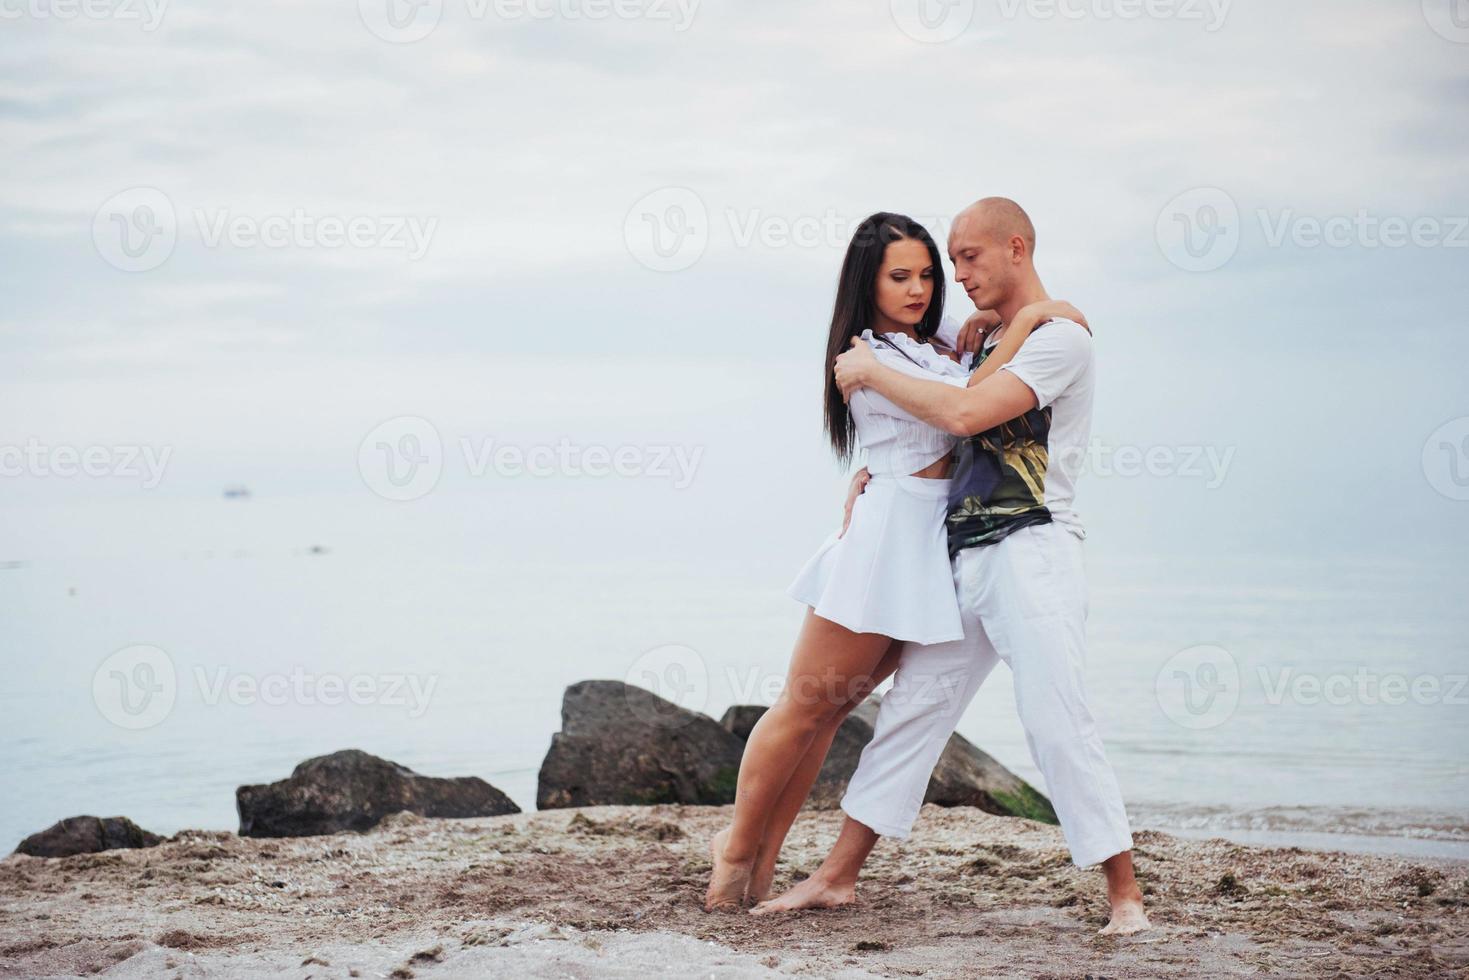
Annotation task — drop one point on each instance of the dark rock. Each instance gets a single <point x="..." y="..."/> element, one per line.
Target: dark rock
<point x="739" y="719"/>
<point x="964" y="775"/>
<point x="620" y="744"/>
<point x="351" y="790"/>
<point x="87" y="835"/>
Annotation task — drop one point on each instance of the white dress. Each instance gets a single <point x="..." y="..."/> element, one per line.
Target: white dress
<point x="890" y="573"/>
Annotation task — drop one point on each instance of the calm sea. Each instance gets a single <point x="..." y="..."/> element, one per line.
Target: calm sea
<point x="1310" y="701"/>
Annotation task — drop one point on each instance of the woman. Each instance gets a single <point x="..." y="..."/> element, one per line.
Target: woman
<point x="885" y="579"/>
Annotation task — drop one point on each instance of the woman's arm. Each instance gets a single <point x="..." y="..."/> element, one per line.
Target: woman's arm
<point x="891" y="358"/>
<point x="1016" y="333"/>
<point x="959" y="411"/>
<point x="994" y="399"/>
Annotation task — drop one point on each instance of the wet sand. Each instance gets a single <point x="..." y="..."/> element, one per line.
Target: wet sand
<point x="615" y="891"/>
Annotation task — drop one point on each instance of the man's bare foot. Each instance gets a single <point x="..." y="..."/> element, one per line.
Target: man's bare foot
<point x="1127" y="915"/>
<point x="729" y="879"/>
<point x="813" y="893"/>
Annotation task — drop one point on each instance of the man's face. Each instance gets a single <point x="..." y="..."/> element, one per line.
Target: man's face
<point x="982" y="263"/>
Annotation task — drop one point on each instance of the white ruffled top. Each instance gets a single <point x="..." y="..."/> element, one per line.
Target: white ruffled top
<point x="896" y="442"/>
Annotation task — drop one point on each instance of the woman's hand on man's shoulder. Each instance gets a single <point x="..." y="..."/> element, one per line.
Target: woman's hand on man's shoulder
<point x="975" y="329"/>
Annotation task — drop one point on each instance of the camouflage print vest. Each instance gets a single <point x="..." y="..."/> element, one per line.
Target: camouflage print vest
<point x="999" y="480"/>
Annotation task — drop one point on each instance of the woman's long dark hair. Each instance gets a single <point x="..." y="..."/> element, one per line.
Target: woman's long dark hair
<point x="856" y="308"/>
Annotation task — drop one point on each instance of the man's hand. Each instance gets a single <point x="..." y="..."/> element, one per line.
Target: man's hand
<point x="972" y="334"/>
<point x="859" y="483"/>
<point x="851" y="368"/>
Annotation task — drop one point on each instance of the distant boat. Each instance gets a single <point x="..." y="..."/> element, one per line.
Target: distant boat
<point x="237" y="491"/>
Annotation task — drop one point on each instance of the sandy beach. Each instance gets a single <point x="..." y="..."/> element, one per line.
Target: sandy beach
<point x="615" y="891"/>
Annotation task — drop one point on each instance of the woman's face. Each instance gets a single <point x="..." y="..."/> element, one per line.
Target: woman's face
<point x="904" y="285"/>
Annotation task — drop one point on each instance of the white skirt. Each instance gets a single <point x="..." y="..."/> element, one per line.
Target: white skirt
<point x="890" y="573"/>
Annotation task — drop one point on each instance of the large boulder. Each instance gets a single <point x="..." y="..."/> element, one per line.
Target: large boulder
<point x="87" y="835"/>
<point x="964" y="775"/>
<point x="352" y="790"/>
<point x="620" y="744"/>
<point x="967" y="776"/>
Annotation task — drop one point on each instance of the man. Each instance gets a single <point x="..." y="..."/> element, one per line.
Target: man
<point x="1016" y="548"/>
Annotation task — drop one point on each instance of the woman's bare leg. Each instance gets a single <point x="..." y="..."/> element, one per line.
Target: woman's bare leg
<point x="829" y="665"/>
<point x="793" y="797"/>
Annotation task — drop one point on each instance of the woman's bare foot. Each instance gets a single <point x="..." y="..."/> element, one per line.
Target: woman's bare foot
<point x="813" y="893"/>
<point x="1127" y="915"/>
<point x="762" y="880"/>
<point x="729" y="879"/>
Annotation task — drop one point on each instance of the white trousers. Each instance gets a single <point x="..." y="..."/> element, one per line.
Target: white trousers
<point x="1023" y="600"/>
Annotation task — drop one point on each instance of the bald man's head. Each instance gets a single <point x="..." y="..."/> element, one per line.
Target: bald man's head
<point x="1000" y="219"/>
<point x="991" y="245"/>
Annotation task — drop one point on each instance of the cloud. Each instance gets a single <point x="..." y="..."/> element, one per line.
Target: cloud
<point x="528" y="142"/>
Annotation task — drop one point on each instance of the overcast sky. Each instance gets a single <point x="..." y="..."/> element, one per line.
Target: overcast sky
<point x="252" y="230"/>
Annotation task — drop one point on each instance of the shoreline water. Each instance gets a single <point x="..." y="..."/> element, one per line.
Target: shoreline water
<point x="1403" y="832"/>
